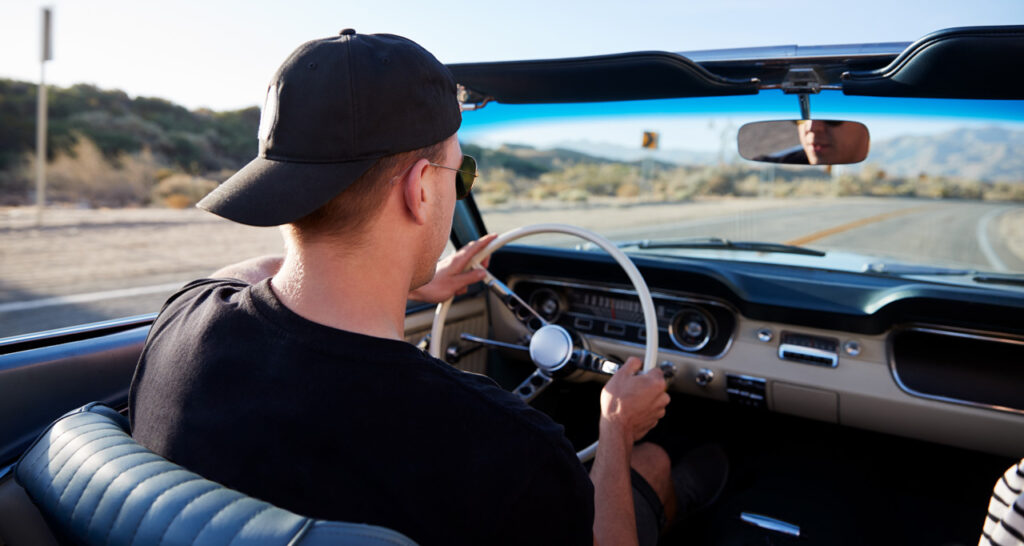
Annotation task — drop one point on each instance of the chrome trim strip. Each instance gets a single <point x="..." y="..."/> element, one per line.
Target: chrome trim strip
<point x="808" y="351"/>
<point x="797" y="52"/>
<point x="707" y="337"/>
<point x="771" y="524"/>
<point x="678" y="352"/>
<point x="952" y="332"/>
<point x="616" y="289"/>
<point x="121" y="323"/>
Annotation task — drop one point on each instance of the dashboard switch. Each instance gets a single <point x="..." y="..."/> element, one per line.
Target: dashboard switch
<point x="746" y="390"/>
<point x="704" y="377"/>
<point x="765" y="335"/>
<point x="852" y="348"/>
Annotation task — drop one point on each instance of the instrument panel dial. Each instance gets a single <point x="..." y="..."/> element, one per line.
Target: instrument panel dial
<point x="691" y="329"/>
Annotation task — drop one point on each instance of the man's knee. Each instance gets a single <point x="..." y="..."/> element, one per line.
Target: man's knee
<point x="652" y="462"/>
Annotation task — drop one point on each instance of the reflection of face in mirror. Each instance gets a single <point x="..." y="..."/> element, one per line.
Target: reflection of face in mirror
<point x="832" y="142"/>
<point x="804" y="142"/>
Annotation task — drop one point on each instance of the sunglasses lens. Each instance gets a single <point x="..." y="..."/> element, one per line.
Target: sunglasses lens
<point x="465" y="177"/>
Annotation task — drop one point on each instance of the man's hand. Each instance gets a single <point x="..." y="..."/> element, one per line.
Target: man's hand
<point x="632" y="404"/>
<point x="450" y="277"/>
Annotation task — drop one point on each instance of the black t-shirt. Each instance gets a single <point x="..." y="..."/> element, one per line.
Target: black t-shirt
<point x="343" y="426"/>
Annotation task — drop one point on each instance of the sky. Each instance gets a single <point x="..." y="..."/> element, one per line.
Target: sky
<point x="220" y="54"/>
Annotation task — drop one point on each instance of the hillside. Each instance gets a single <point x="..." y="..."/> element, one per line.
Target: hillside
<point x="991" y="154"/>
<point x="121" y="127"/>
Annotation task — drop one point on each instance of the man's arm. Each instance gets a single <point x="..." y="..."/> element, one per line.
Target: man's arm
<point x="450" y="278"/>
<point x="631" y="406"/>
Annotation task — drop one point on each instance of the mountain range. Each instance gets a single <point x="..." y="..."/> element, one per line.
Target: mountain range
<point x="992" y="154"/>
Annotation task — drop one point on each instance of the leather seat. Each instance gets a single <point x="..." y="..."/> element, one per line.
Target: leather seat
<point x="94" y="484"/>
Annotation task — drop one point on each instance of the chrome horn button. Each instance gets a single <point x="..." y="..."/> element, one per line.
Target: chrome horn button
<point x="550" y="347"/>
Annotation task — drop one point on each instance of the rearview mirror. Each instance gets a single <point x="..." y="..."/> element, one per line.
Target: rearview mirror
<point x="804" y="142"/>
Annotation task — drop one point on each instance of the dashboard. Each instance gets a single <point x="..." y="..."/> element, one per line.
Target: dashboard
<point x="932" y="362"/>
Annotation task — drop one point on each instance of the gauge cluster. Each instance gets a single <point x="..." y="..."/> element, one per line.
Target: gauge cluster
<point x="693" y="326"/>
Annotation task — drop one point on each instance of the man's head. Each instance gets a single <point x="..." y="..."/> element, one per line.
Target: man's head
<point x="340" y="110"/>
<point x="833" y="142"/>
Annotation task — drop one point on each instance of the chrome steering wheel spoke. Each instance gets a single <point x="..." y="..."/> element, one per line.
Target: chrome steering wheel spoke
<point x="549" y="349"/>
<point x="588" y="360"/>
<point x="522" y="311"/>
<point x="533" y="385"/>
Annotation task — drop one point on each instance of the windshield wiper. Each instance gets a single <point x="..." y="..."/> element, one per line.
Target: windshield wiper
<point x="717" y="243"/>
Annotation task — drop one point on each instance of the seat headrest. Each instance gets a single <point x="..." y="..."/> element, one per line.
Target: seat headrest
<point x="95" y="485"/>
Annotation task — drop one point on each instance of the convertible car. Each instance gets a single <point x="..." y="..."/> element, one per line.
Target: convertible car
<point x="850" y="331"/>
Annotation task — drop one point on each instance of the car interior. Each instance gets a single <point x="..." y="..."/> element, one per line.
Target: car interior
<point x="855" y="408"/>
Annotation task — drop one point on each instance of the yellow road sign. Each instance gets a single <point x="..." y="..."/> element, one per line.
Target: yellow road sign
<point x="650" y="140"/>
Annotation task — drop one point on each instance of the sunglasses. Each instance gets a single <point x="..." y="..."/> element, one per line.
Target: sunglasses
<point x="464" y="176"/>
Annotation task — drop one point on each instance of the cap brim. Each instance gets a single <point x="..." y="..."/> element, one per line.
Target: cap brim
<point x="270" y="193"/>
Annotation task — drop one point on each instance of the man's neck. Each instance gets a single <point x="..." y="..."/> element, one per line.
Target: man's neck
<point x="363" y="291"/>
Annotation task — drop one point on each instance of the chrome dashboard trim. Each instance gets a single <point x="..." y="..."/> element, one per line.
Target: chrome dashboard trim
<point x="981" y="335"/>
<point x="712" y="327"/>
<point x="786" y="348"/>
<point x="617" y="289"/>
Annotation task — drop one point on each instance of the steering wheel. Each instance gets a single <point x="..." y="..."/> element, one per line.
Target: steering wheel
<point x="550" y="346"/>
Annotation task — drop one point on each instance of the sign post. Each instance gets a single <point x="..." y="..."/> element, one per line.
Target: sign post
<point x="650" y="142"/>
<point x="46" y="55"/>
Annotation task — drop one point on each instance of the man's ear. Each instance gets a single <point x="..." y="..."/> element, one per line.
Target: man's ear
<point x="414" y="191"/>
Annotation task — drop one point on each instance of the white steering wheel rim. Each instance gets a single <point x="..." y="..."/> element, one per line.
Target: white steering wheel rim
<point x="646" y="303"/>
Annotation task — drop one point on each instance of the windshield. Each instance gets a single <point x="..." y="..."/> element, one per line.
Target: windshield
<point x="940" y="193"/>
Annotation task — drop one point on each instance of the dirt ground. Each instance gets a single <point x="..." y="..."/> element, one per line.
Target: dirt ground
<point x="75" y="251"/>
<point x="88" y="250"/>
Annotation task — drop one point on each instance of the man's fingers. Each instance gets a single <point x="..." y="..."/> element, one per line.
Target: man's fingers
<point x="631" y="366"/>
<point x="467" y="252"/>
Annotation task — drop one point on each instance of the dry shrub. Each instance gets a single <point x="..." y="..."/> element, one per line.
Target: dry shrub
<point x="84" y="176"/>
<point x="181" y="191"/>
<point x="627" y="190"/>
<point x="1006" y="191"/>
<point x="178" y="201"/>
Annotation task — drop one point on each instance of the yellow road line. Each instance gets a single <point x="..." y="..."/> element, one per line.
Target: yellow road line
<point x="851" y="225"/>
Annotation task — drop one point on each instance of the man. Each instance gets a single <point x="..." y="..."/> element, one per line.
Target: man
<point x="827" y="142"/>
<point x="289" y="380"/>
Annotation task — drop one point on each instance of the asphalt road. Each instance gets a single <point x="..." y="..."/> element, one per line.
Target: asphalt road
<point x="82" y="269"/>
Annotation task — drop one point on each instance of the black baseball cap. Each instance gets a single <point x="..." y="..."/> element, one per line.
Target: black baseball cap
<point x="334" y="108"/>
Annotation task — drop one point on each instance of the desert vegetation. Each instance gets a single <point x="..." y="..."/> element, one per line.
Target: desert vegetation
<point x="517" y="175"/>
<point x="106" y="149"/>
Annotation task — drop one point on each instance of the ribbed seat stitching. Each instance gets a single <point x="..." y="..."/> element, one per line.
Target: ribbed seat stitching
<point x="51" y="497"/>
<point x="172" y="488"/>
<point x="182" y="511"/>
<point x="47" y="458"/>
<point x="250" y="518"/>
<point x="135" y="487"/>
<point x="121" y="507"/>
<point x="60" y="498"/>
<point x="109" y="483"/>
<point x="76" y="448"/>
<point x="217" y="513"/>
